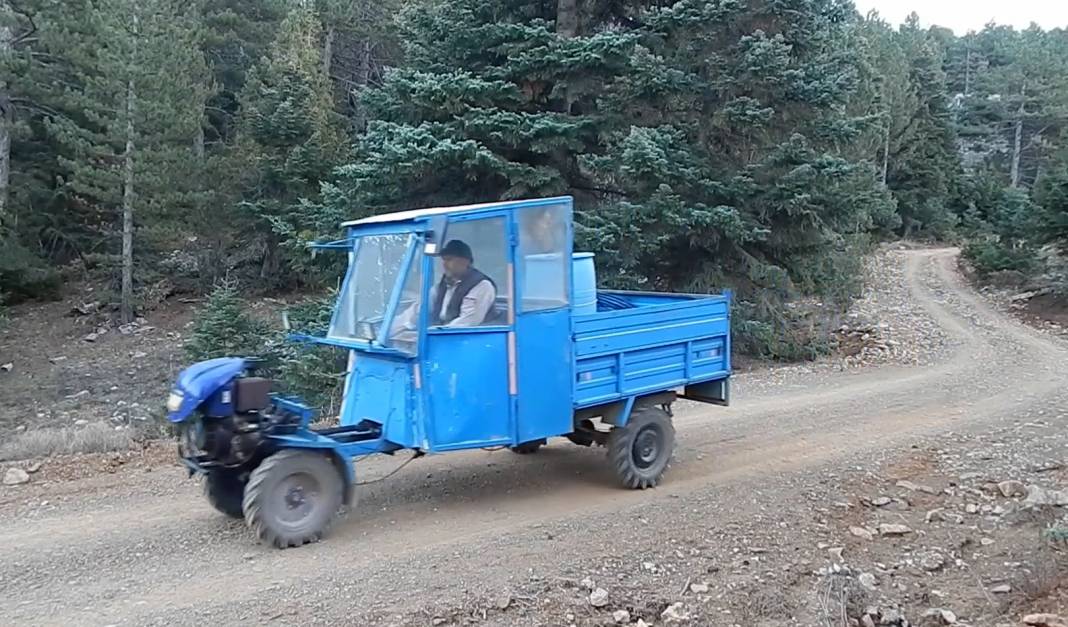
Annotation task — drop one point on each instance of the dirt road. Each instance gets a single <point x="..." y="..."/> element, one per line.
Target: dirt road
<point x="452" y="534"/>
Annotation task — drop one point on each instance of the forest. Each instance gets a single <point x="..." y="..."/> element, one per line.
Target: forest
<point x="163" y="148"/>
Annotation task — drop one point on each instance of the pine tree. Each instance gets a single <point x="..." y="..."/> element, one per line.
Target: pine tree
<point x="290" y="139"/>
<point x="236" y="35"/>
<point x="224" y="328"/>
<point x="138" y="109"/>
<point x="493" y="102"/>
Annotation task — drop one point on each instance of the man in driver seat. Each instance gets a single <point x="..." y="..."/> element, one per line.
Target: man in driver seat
<point x="463" y="298"/>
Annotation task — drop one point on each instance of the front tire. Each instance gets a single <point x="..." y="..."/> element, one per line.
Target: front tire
<point x="225" y="490"/>
<point x="292" y="497"/>
<point x="640" y="451"/>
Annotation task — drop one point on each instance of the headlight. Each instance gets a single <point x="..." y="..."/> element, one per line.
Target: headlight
<point x="174" y="401"/>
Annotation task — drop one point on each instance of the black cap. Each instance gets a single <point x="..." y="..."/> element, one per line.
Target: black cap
<point x="457" y="248"/>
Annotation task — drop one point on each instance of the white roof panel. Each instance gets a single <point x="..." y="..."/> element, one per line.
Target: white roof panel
<point x="415" y="214"/>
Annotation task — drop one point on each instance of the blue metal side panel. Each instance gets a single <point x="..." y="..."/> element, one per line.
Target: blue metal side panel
<point x="466" y="389"/>
<point x="380" y="391"/>
<point x="662" y="344"/>
<point x="545" y="375"/>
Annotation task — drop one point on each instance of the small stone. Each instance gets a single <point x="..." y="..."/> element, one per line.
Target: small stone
<point x="890" y="529"/>
<point x="882" y="501"/>
<point x="868" y="580"/>
<point x="91" y="337"/>
<point x="504" y="602"/>
<point x="699" y="588"/>
<point x="1012" y="489"/>
<point x="16" y="476"/>
<point x="7" y="367"/>
<point x="932" y="561"/>
<point x="861" y="533"/>
<point x="971" y="508"/>
<point x="81" y="422"/>
<point x="587" y="583"/>
<point x="1043" y="496"/>
<point x="675" y="614"/>
<point x="867" y="621"/>
<point x="836" y="554"/>
<point x="34" y="467"/>
<point x="939" y="617"/>
<point x="935" y="515"/>
<point x="916" y="487"/>
<point x="621" y="617"/>
<point x="986" y="541"/>
<point x="641" y="623"/>
<point x="1044" y="620"/>
<point x="1001" y="589"/>
<point x="969" y="476"/>
<point x="20" y="428"/>
<point x="599" y="597"/>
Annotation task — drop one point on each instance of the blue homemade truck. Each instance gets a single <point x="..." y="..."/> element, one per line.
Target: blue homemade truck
<point x="466" y="327"/>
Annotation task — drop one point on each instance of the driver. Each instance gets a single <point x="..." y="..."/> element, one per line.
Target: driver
<point x="463" y="298"/>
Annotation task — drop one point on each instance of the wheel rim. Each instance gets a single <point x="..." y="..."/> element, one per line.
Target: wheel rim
<point x="298" y="497"/>
<point x="647" y="445"/>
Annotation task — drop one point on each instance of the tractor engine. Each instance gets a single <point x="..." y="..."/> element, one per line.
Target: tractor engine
<point x="233" y="422"/>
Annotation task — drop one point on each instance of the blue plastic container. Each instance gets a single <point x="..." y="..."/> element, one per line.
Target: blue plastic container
<point x="584" y="277"/>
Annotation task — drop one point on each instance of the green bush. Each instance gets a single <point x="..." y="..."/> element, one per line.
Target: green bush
<point x="314" y="372"/>
<point x="23" y="276"/>
<point x="225" y="329"/>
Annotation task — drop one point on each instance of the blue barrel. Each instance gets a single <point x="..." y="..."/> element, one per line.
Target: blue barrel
<point x="584" y="278"/>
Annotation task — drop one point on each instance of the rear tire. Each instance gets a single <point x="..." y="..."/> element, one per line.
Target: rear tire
<point x="292" y="498"/>
<point x="225" y="490"/>
<point x="640" y="451"/>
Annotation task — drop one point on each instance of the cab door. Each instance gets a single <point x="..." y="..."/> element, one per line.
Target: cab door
<point x="465" y="370"/>
<point x="543" y="353"/>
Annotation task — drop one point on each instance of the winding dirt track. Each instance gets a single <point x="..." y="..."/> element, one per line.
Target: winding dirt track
<point x="143" y="548"/>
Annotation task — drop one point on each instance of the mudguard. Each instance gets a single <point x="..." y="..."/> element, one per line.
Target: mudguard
<point x="199" y="381"/>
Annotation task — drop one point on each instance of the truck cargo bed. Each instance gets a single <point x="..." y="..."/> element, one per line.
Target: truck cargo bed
<point x="641" y="342"/>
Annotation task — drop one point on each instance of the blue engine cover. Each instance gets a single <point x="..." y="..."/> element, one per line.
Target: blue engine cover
<point x="207" y="380"/>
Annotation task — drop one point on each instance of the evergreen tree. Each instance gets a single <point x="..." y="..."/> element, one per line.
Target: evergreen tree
<point x="290" y="139"/>
<point x="138" y="109"/>
<point x="236" y="35"/>
<point x="922" y="162"/>
<point x="494" y="102"/>
<point x="225" y="329"/>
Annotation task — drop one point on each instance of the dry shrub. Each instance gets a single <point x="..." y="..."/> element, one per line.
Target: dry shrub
<point x="93" y="438"/>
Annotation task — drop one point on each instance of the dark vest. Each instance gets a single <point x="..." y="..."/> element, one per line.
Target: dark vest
<point x="467" y="283"/>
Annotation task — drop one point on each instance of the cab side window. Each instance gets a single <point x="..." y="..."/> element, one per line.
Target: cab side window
<point x="487" y="241"/>
<point x="545" y="266"/>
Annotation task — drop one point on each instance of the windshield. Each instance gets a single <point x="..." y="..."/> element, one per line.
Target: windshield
<point x="371" y="282"/>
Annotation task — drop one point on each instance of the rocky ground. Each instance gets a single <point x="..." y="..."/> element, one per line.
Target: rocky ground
<point x="920" y="482"/>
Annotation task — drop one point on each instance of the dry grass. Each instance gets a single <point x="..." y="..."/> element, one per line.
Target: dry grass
<point x="841" y="598"/>
<point x="93" y="438"/>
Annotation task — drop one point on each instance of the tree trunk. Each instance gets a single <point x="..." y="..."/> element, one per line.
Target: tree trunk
<point x="567" y="18"/>
<point x="7" y="121"/>
<point x="198" y="142"/>
<point x="328" y="50"/>
<point x="968" y="73"/>
<point x="128" y="208"/>
<point x="1017" y="148"/>
<point x="362" y="78"/>
<point x="886" y="154"/>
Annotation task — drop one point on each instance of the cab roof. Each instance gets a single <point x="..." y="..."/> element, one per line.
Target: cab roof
<point x="418" y="214"/>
